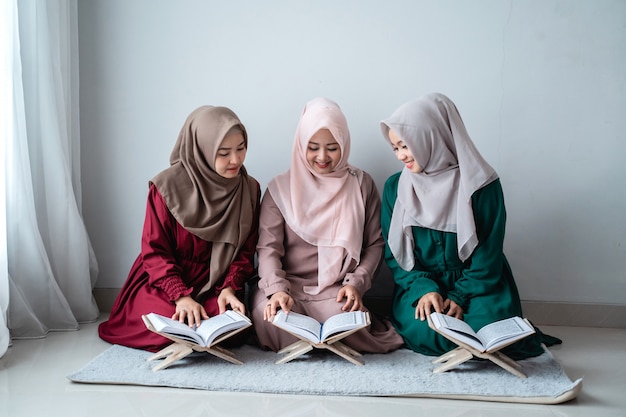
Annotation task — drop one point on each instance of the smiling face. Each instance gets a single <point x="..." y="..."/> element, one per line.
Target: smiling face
<point x="403" y="153"/>
<point x="323" y="153"/>
<point x="231" y="154"/>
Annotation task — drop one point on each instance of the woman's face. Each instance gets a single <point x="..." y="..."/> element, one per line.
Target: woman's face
<point x="230" y="155"/>
<point x="323" y="152"/>
<point x="403" y="153"/>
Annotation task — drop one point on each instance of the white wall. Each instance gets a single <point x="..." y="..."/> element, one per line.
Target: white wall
<point x="539" y="83"/>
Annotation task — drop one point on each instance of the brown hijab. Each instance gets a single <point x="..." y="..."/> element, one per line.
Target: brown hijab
<point x="216" y="209"/>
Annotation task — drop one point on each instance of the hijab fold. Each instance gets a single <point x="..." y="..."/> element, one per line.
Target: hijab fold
<point x="216" y="209"/>
<point x="324" y="210"/>
<point x="439" y="197"/>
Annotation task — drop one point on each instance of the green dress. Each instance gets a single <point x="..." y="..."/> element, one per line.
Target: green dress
<point x="483" y="285"/>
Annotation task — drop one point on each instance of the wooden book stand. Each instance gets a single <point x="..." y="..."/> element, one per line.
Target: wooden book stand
<point x="333" y="344"/>
<point x="182" y="348"/>
<point x="464" y="352"/>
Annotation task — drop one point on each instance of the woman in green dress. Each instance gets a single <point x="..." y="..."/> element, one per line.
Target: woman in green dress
<point x="443" y="220"/>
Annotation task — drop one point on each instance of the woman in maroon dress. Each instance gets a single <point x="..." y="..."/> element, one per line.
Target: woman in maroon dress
<point x="199" y="235"/>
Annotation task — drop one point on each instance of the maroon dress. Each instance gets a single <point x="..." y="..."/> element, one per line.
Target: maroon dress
<point x="173" y="263"/>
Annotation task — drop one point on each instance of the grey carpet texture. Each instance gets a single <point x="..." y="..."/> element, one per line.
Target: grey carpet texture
<point x="320" y="372"/>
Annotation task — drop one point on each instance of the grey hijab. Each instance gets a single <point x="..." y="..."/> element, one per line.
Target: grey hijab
<point x="439" y="197"/>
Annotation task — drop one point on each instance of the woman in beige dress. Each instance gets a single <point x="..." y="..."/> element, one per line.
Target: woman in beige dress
<point x="320" y="241"/>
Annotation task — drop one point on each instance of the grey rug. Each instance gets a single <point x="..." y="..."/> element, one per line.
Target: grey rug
<point x="400" y="373"/>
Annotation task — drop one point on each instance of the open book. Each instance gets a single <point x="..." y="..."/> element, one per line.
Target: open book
<point x="490" y="338"/>
<point x="210" y="331"/>
<point x="316" y="332"/>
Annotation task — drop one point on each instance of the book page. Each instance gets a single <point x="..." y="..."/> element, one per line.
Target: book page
<point x="452" y="323"/>
<point x="211" y="328"/>
<point x="175" y="328"/>
<point x="457" y="329"/>
<point x="342" y="322"/>
<point x="299" y="324"/>
<point x="504" y="330"/>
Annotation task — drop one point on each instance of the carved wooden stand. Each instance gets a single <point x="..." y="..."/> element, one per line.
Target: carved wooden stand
<point x="464" y="352"/>
<point x="182" y="348"/>
<point x="333" y="344"/>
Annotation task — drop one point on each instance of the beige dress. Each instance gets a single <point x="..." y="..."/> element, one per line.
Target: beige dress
<point x="288" y="263"/>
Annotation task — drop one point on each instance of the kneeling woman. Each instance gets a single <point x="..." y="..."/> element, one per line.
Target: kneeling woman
<point x="320" y="241"/>
<point x="443" y="219"/>
<point x="199" y="234"/>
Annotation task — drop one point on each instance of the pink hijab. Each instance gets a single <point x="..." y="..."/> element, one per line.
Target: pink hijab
<point x="439" y="197"/>
<point x="324" y="210"/>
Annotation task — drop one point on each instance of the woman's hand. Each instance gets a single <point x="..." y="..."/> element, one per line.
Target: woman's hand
<point x="278" y="300"/>
<point x="453" y="309"/>
<point x="353" y="302"/>
<point x="228" y="298"/>
<point x="427" y="303"/>
<point x="188" y="309"/>
<point x="434" y="301"/>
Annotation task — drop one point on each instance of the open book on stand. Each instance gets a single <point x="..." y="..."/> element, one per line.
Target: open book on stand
<point x="484" y="343"/>
<point x="491" y="337"/>
<point x="327" y="335"/>
<point x="203" y="338"/>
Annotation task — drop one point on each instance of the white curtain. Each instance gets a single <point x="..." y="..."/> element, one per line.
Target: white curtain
<point x="6" y="116"/>
<point x="51" y="267"/>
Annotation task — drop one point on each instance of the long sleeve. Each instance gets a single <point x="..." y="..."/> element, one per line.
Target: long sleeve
<point x="177" y="262"/>
<point x="483" y="272"/>
<point x="243" y="266"/>
<point x="418" y="281"/>
<point x="437" y="266"/>
<point x="271" y="248"/>
<point x="371" y="255"/>
<point x="158" y="248"/>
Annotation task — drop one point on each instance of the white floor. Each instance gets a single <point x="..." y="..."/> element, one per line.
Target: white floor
<point x="33" y="383"/>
